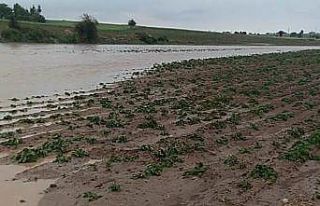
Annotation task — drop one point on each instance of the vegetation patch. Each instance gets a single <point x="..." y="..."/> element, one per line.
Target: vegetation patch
<point x="56" y="145"/>
<point x="115" y="187"/>
<point x="301" y="151"/>
<point x="150" y="123"/>
<point x="284" y="116"/>
<point x="13" y="142"/>
<point x="91" y="196"/>
<point x="264" y="172"/>
<point x="197" y="171"/>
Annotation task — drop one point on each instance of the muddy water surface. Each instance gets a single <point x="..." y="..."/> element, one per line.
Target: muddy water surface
<point x="41" y="69"/>
<point x="19" y="192"/>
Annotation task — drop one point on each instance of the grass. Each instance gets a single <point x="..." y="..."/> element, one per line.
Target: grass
<point x="59" y="31"/>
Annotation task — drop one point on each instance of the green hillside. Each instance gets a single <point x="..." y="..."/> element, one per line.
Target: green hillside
<point x="63" y="32"/>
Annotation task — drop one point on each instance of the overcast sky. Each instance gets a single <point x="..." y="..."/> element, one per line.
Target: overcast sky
<point x="214" y="15"/>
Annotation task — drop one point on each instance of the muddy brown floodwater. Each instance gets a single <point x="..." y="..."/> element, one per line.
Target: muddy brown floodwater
<point x="43" y="69"/>
<point x="16" y="192"/>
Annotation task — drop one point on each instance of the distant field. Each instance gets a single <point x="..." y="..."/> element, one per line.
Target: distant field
<point x="123" y="34"/>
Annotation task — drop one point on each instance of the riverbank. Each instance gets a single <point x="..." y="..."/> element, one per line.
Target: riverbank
<point x="200" y="132"/>
<point x="63" y="32"/>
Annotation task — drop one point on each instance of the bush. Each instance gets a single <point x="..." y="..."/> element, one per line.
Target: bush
<point x="132" y="23"/>
<point x="87" y="29"/>
<point x="147" y="38"/>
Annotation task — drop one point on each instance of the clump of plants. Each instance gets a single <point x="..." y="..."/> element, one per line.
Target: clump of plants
<point x="56" y="145"/>
<point x="239" y="137"/>
<point x="150" y="123"/>
<point x="284" y="116"/>
<point x="61" y="158"/>
<point x="106" y="103"/>
<point x="120" y="139"/>
<point x="296" y="133"/>
<point x="264" y="172"/>
<point x="169" y="154"/>
<point x="301" y="151"/>
<point x="222" y="141"/>
<point x="262" y="109"/>
<point x="244" y="185"/>
<point x="197" y="171"/>
<point x="91" y="196"/>
<point x="231" y="161"/>
<point x="114" y="187"/>
<point x="80" y="153"/>
<point x="113" y="121"/>
<point x="13" y="142"/>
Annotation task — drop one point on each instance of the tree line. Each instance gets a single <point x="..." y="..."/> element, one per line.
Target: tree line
<point x="21" y="14"/>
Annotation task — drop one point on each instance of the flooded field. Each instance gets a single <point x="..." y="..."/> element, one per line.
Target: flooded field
<point x="61" y="118"/>
<point x="34" y="70"/>
<point x="40" y="80"/>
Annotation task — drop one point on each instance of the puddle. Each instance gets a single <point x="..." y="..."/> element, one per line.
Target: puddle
<point x="17" y="192"/>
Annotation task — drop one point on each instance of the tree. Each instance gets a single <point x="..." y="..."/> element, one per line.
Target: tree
<point x="5" y="11"/>
<point x="34" y="14"/>
<point x="39" y="9"/>
<point x="132" y="23"/>
<point x="21" y="13"/>
<point x="281" y="33"/>
<point x="33" y="10"/>
<point x="301" y="34"/>
<point x="87" y="29"/>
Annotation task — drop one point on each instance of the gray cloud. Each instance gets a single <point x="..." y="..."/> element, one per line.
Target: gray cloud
<point x="214" y="15"/>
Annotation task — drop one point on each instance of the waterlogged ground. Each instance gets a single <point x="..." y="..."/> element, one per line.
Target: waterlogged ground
<point x="38" y="69"/>
<point x="39" y="78"/>
<point x="230" y="131"/>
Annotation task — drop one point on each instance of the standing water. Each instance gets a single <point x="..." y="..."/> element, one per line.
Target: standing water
<point x="43" y="69"/>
